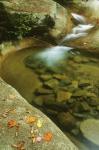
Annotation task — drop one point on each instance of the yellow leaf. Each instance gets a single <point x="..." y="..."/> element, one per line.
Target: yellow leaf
<point x="39" y="123"/>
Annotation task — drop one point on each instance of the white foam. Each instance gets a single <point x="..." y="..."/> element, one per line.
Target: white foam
<point x="79" y="18"/>
<point x="82" y="28"/>
<point x="52" y="55"/>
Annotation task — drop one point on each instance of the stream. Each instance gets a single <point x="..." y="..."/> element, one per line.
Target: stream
<point x="61" y="81"/>
<point x="68" y="89"/>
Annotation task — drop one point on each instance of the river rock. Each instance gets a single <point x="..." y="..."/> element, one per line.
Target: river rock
<point x="53" y="83"/>
<point x="45" y="77"/>
<point x="77" y="59"/>
<point x="60" y="76"/>
<point x="74" y="84"/>
<point x="19" y="121"/>
<point x="66" y="120"/>
<point x="63" y="96"/>
<point x="90" y="130"/>
<point x="32" y="17"/>
<point x="81" y="107"/>
<point x="43" y="91"/>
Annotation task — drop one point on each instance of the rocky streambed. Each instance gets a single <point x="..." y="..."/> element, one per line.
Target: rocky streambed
<point x="67" y="91"/>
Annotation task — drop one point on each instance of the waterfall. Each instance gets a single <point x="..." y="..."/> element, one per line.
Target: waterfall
<point x="79" y="18"/>
<point x="81" y="30"/>
<point x="53" y="55"/>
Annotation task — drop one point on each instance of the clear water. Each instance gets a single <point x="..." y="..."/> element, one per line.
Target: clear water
<point x="75" y="74"/>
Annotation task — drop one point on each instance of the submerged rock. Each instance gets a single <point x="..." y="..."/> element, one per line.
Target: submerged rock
<point x="45" y="77"/>
<point x="63" y="96"/>
<point x="53" y="83"/>
<point x="90" y="130"/>
<point x="66" y="120"/>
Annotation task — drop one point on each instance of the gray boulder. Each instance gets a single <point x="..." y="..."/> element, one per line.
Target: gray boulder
<point x="24" y="127"/>
<point x="21" y="18"/>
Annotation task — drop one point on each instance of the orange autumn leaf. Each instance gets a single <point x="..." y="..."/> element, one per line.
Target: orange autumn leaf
<point x="11" y="123"/>
<point x="48" y="136"/>
<point x="30" y="119"/>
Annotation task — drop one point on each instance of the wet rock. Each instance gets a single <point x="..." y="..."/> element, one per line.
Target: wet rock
<point x="38" y="101"/>
<point x="74" y="84"/>
<point x="43" y="91"/>
<point x="53" y="83"/>
<point x="63" y="96"/>
<point x="85" y="60"/>
<point x="81" y="107"/>
<point x="75" y="132"/>
<point x="84" y="83"/>
<point x="66" y="120"/>
<point x="93" y="101"/>
<point x="40" y="71"/>
<point x="77" y="59"/>
<point x="82" y="115"/>
<point x="94" y="60"/>
<point x="51" y="112"/>
<point x="97" y="108"/>
<point x="66" y="82"/>
<point x="60" y="76"/>
<point x="80" y="93"/>
<point x="45" y="77"/>
<point x="90" y="130"/>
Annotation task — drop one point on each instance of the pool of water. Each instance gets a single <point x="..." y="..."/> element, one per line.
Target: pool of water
<point x="66" y="89"/>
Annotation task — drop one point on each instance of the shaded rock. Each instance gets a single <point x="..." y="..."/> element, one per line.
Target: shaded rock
<point x="94" y="101"/>
<point x="90" y="130"/>
<point x="53" y="83"/>
<point x="80" y="93"/>
<point x="77" y="59"/>
<point x="26" y="117"/>
<point x="51" y="112"/>
<point x="65" y="82"/>
<point x="74" y="84"/>
<point x="43" y="91"/>
<point x="84" y="82"/>
<point x="38" y="101"/>
<point x="60" y="76"/>
<point x="44" y="99"/>
<point x="66" y="120"/>
<point x="28" y="19"/>
<point x="81" y="107"/>
<point x="63" y="96"/>
<point x="45" y="77"/>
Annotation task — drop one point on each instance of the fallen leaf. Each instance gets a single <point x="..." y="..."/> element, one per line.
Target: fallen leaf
<point x="48" y="136"/>
<point x="11" y="96"/>
<point x="39" y="123"/>
<point x="30" y="119"/>
<point x="13" y="111"/>
<point x="38" y="139"/>
<point x="12" y="123"/>
<point x="19" y="146"/>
